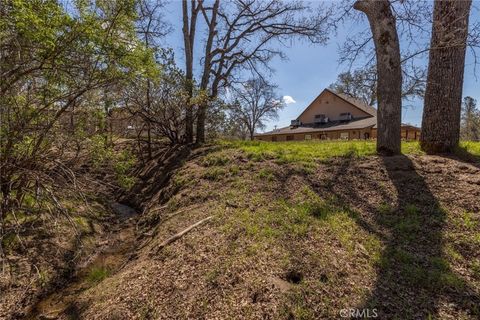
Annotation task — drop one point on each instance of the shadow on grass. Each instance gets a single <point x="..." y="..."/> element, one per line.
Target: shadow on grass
<point x="414" y="278"/>
<point x="413" y="275"/>
<point x="463" y="154"/>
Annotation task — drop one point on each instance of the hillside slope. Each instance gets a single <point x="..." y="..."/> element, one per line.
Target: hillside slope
<point x="295" y="237"/>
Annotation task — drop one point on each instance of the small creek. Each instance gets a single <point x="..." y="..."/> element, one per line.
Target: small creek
<point x="109" y="259"/>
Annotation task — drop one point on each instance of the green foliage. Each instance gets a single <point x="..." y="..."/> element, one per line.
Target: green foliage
<point x="122" y="165"/>
<point x="121" y="162"/>
<point x="67" y="58"/>
<point x="100" y="152"/>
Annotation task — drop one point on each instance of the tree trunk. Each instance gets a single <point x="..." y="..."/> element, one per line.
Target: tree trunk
<point x="443" y="95"/>
<point x="189" y="26"/>
<point x="389" y="85"/>
<point x="202" y="108"/>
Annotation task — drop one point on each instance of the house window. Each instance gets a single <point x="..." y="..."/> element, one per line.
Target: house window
<point x="289" y="138"/>
<point x="308" y="137"/>
<point x="345" y="116"/>
<point x="344" y="135"/>
<point x="274" y="138"/>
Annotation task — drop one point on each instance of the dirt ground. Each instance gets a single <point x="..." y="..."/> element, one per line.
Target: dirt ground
<point x="398" y="236"/>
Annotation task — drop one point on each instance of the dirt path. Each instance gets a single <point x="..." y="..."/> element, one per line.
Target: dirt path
<point x="114" y="250"/>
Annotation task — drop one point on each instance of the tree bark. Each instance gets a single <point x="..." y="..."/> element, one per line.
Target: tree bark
<point x="389" y="85"/>
<point x="443" y="95"/>
<point x="207" y="65"/>
<point x="189" y="26"/>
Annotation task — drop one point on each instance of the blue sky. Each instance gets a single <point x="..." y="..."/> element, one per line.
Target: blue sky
<point x="311" y="68"/>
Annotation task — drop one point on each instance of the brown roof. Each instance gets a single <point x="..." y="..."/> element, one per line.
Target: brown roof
<point x="334" y="126"/>
<point x="356" y="102"/>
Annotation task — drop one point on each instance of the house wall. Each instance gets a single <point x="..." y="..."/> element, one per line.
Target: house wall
<point x="330" y="105"/>
<point x="328" y="135"/>
<point x="407" y="133"/>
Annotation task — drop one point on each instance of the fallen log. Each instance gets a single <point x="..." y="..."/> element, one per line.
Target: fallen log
<point x="181" y="233"/>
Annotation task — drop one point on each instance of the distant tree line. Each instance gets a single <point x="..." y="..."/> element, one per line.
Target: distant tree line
<point x="470" y="120"/>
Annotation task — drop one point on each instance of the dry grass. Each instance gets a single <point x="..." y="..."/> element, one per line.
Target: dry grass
<point x="290" y="240"/>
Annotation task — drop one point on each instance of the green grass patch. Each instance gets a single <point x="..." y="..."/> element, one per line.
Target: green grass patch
<point x="469" y="148"/>
<point x="215" y="159"/>
<point x="302" y="151"/>
<point x="433" y="273"/>
<point x="214" y="174"/>
<point x="315" y="151"/>
<point x="97" y="274"/>
<point x="82" y="223"/>
<point x="266" y="174"/>
<point x="467" y="220"/>
<point x="234" y="170"/>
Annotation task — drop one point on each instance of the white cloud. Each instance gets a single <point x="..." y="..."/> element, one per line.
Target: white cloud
<point x="288" y="100"/>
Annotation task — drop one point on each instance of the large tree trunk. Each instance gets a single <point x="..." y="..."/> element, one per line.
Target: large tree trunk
<point x="443" y="95"/>
<point x="189" y="26"/>
<point x="207" y="64"/>
<point x="201" y="117"/>
<point x="389" y="85"/>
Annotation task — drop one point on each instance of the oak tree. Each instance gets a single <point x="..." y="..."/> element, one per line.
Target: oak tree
<point x="443" y="95"/>
<point x="389" y="86"/>
<point x="255" y="101"/>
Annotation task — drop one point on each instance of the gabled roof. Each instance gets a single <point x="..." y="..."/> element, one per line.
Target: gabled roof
<point x="352" y="101"/>
<point x="356" y="102"/>
<point x="333" y="126"/>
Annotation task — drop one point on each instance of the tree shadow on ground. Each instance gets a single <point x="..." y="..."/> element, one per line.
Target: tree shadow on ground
<point x="462" y="154"/>
<point x="414" y="276"/>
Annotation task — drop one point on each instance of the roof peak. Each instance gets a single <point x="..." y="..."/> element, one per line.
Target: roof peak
<point x="354" y="101"/>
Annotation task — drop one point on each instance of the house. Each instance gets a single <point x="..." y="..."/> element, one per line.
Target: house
<point x="334" y="116"/>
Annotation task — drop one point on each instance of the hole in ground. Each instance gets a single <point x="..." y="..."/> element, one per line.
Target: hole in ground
<point x="294" y="276"/>
<point x="323" y="278"/>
